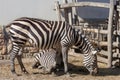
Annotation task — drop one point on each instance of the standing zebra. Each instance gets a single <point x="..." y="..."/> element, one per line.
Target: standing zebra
<point x="48" y="34"/>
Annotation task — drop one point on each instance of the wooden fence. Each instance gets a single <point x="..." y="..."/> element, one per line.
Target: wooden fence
<point x="104" y="34"/>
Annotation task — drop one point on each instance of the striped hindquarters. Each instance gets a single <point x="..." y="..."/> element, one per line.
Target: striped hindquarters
<point x="40" y="33"/>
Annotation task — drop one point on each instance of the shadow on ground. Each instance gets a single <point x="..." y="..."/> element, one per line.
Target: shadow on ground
<point x="73" y="69"/>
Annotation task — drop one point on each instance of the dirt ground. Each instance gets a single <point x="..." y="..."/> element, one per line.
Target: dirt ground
<point x="76" y="69"/>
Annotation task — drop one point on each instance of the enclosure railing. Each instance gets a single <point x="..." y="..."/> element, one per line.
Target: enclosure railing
<point x="69" y="13"/>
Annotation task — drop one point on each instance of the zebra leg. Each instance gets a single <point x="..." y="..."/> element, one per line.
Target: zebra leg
<point x="59" y="61"/>
<point x="65" y="59"/>
<point x="13" y="54"/>
<point x="36" y="62"/>
<point x="19" y="58"/>
<point x="36" y="65"/>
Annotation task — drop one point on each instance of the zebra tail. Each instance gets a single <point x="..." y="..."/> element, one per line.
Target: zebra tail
<point x="6" y="40"/>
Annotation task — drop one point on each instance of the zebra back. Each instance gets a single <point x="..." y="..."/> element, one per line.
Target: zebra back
<point x="44" y="34"/>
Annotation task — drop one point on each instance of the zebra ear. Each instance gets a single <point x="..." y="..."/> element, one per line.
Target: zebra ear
<point x="94" y="52"/>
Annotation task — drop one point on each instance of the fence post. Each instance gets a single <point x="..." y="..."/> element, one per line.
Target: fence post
<point x="57" y="8"/>
<point x="110" y="32"/>
<point x="66" y="12"/>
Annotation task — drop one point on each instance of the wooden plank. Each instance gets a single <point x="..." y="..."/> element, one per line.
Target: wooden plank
<point x="110" y="31"/>
<point x="74" y="15"/>
<point x="116" y="55"/>
<point x="102" y="59"/>
<point x="100" y="31"/>
<point x="83" y="4"/>
<point x="66" y="12"/>
<point x="118" y="8"/>
<point x="57" y="8"/>
<point x="103" y="53"/>
<point x="65" y="1"/>
<point x="103" y="43"/>
<point x="70" y="16"/>
<point x="115" y="63"/>
<point x="96" y="31"/>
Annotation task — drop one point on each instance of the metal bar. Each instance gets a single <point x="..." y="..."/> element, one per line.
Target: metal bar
<point x="83" y="4"/>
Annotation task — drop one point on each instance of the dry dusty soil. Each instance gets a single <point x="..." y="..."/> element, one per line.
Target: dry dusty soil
<point x="78" y="72"/>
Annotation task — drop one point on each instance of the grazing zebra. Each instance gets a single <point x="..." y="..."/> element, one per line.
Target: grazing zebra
<point x="44" y="35"/>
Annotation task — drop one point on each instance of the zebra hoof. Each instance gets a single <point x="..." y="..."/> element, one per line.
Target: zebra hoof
<point x="14" y="74"/>
<point x="25" y="72"/>
<point x="53" y="74"/>
<point x="45" y="72"/>
<point x="93" y="74"/>
<point x="68" y="75"/>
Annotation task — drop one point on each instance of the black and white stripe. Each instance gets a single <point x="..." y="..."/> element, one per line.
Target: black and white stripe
<point x="45" y="35"/>
<point x="47" y="59"/>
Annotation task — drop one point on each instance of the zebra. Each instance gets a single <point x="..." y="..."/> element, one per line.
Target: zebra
<point x="44" y="34"/>
<point x="46" y="59"/>
<point x="49" y="60"/>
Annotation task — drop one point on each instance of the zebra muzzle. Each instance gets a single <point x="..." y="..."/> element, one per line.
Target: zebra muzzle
<point x="94" y="72"/>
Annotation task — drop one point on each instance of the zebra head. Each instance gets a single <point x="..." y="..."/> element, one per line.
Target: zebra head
<point x="85" y="46"/>
<point x="49" y="67"/>
<point x="90" y="62"/>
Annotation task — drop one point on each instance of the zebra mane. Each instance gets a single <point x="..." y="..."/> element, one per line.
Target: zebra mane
<point x="77" y="34"/>
<point x="82" y="42"/>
